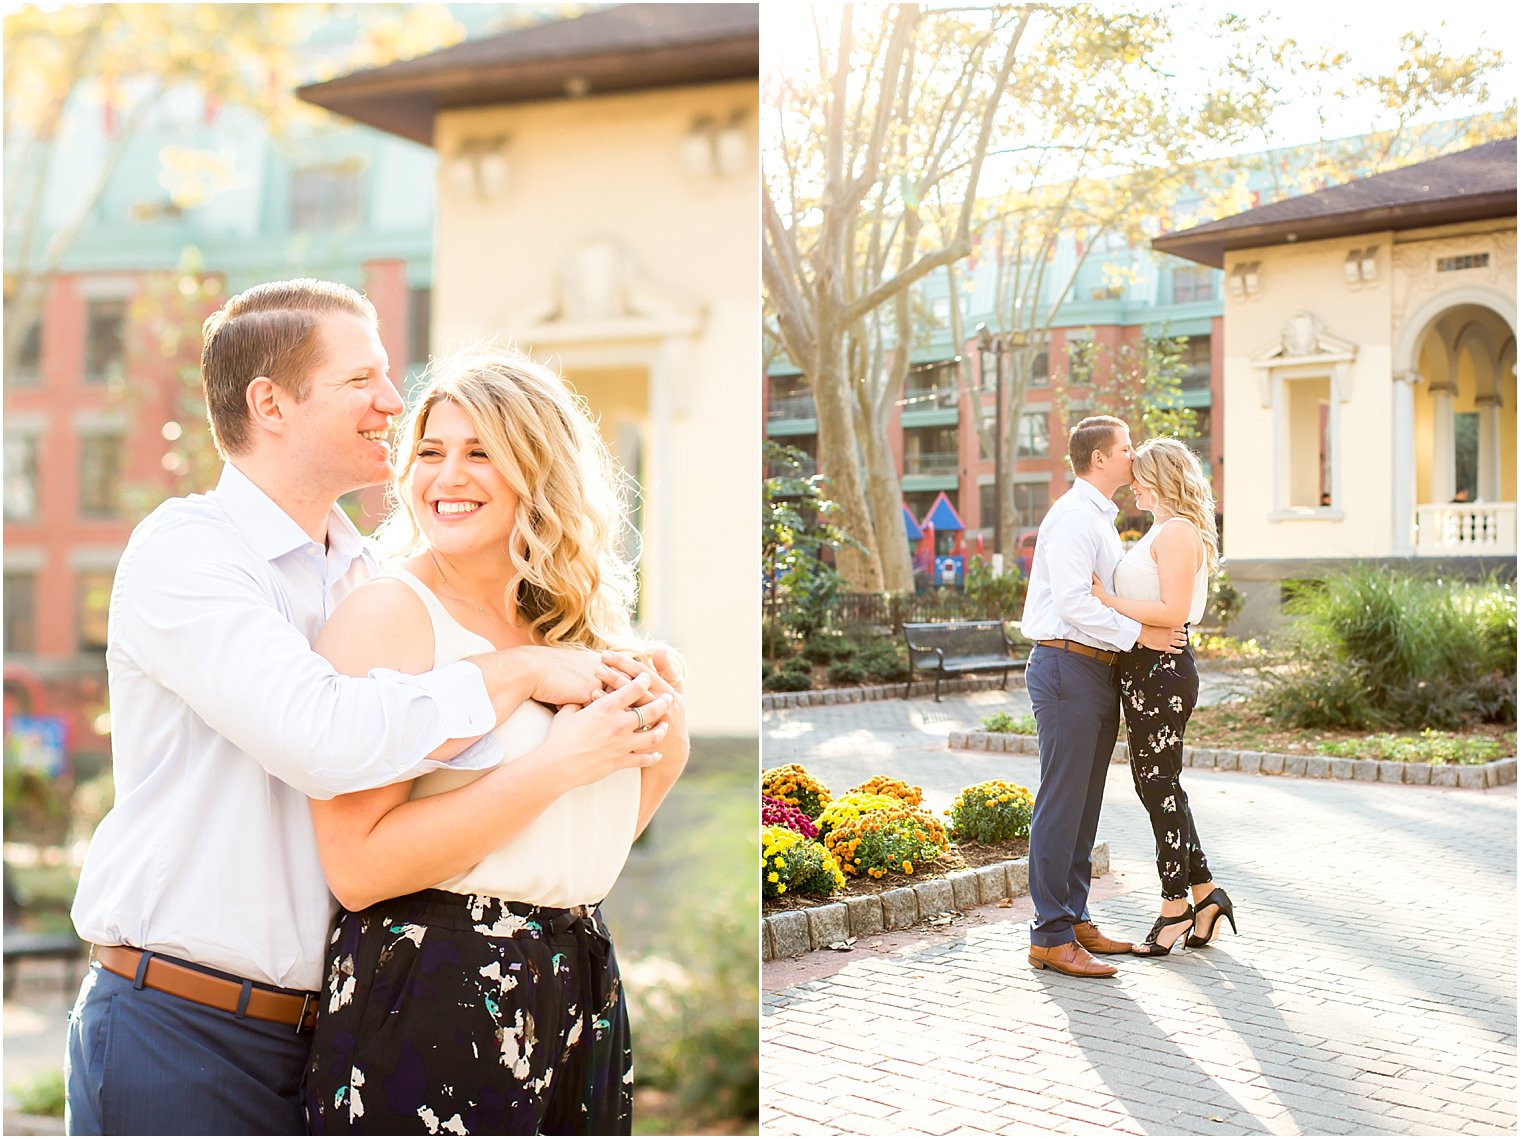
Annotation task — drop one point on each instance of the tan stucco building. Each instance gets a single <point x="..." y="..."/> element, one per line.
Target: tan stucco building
<point x="1369" y="374"/>
<point x="598" y="199"/>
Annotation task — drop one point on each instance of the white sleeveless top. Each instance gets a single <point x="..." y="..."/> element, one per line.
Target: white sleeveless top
<point x="572" y="853"/>
<point x="1136" y="577"/>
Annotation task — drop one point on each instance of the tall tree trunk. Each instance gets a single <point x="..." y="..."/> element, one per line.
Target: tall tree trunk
<point x="884" y="494"/>
<point x="838" y="456"/>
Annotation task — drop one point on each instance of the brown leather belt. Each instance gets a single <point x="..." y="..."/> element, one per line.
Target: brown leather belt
<point x="296" y="1009"/>
<point x="1107" y="656"/>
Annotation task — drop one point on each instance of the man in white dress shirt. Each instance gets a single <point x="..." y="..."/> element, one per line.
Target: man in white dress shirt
<point x="202" y="891"/>
<point x="1074" y="686"/>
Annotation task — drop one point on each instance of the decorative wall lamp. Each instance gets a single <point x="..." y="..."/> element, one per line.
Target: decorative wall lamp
<point x="480" y="167"/>
<point x="1361" y="266"/>
<point x="1245" y="280"/>
<point x="715" y="148"/>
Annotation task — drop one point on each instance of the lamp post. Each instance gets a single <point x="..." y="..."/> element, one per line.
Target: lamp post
<point x="990" y="345"/>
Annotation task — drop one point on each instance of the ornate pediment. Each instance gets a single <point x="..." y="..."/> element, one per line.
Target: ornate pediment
<point x="601" y="292"/>
<point x="1305" y="344"/>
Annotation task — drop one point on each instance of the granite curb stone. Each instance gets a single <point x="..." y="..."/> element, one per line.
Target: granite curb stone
<point x="770" y="701"/>
<point x="791" y="933"/>
<point x="899" y="908"/>
<point x="1495" y="773"/>
<point x="827" y="924"/>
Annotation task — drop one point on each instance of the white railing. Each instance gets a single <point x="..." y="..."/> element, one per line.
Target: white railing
<point x="1462" y="529"/>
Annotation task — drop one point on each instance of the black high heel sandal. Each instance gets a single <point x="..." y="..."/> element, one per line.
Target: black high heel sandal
<point x="1224" y="908"/>
<point x="1152" y="946"/>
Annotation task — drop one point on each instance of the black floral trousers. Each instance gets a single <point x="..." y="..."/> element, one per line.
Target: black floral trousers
<point x="1158" y="692"/>
<point x="468" y="1015"/>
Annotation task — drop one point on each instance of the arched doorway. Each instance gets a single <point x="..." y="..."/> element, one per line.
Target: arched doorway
<point x="1454" y="476"/>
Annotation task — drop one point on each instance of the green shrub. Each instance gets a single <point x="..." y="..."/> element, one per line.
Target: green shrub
<point x="787" y="681"/>
<point x="995" y="595"/>
<point x="995" y="811"/>
<point x="794" y="675"/>
<point x="883" y="659"/>
<point x="821" y="648"/>
<point x="845" y="672"/>
<point x="1374" y="648"/>
<point x="1020" y="725"/>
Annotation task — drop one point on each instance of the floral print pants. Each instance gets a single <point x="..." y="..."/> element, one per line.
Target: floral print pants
<point x="461" y="1014"/>
<point x="1158" y="692"/>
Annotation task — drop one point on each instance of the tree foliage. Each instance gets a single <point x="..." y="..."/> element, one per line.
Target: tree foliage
<point x="128" y="63"/>
<point x="910" y="140"/>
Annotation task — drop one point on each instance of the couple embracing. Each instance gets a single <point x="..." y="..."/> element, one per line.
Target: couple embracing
<point x="1110" y="629"/>
<point x="460" y="746"/>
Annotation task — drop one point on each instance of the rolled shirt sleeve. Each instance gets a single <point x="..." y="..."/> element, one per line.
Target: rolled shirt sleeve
<point x="208" y="633"/>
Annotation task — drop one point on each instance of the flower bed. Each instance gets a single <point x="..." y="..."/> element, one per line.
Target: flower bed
<point x="878" y="836"/>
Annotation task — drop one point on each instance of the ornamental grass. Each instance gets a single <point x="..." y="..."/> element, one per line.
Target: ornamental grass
<point x="899" y="838"/>
<point x="790" y="863"/>
<point x="848" y="808"/>
<point x="793" y="784"/>
<point x="995" y="811"/>
<point x="896" y="788"/>
<point x="780" y="813"/>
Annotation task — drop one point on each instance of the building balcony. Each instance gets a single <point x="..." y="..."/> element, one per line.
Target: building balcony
<point x="932" y="463"/>
<point x="791" y="407"/>
<point x="1463" y="529"/>
<point x="931" y="399"/>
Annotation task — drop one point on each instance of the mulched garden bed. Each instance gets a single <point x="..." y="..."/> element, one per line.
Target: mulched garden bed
<point x="962" y="856"/>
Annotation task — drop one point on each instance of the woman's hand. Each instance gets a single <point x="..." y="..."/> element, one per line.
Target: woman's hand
<point x="604" y="736"/>
<point x="664" y="680"/>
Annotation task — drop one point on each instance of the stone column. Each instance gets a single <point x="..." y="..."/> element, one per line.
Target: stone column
<point x="1403" y="475"/>
<point x="1443" y="449"/>
<point x="1488" y="447"/>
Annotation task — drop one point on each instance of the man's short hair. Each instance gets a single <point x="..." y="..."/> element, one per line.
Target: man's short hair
<point x="268" y="330"/>
<point x="1095" y="433"/>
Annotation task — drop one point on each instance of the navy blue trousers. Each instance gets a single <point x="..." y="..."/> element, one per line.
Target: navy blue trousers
<point x="142" y="1062"/>
<point x="1076" y="712"/>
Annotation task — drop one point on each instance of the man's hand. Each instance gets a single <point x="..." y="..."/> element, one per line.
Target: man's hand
<point x="1161" y="639"/>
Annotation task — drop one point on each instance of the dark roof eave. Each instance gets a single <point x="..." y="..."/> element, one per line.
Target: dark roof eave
<point x="1207" y="244"/>
<point x="408" y="105"/>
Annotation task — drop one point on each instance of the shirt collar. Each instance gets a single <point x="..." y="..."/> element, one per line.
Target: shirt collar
<point x="271" y="531"/>
<point x="1086" y="489"/>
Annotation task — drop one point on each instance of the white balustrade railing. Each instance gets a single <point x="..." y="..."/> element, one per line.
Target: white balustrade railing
<point x="1461" y="529"/>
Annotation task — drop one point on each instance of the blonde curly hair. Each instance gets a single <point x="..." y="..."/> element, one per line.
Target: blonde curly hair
<point x="1171" y="469"/>
<point x="571" y="580"/>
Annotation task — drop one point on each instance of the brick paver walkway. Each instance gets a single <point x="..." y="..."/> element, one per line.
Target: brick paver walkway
<point x="1371" y="989"/>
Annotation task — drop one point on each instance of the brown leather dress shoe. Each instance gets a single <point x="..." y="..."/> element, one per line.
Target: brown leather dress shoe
<point x="1070" y="958"/>
<point x="1094" y="940"/>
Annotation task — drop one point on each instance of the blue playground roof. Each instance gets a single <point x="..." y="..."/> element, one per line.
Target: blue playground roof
<point x="942" y="515"/>
<point x="914" y="531"/>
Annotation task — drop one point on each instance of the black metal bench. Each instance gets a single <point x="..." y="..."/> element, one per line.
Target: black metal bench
<point x="26" y="945"/>
<point x="954" y="648"/>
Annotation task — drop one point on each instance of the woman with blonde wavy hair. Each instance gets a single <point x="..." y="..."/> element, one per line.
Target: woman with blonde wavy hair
<point x="1164" y="580"/>
<point x="472" y="986"/>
